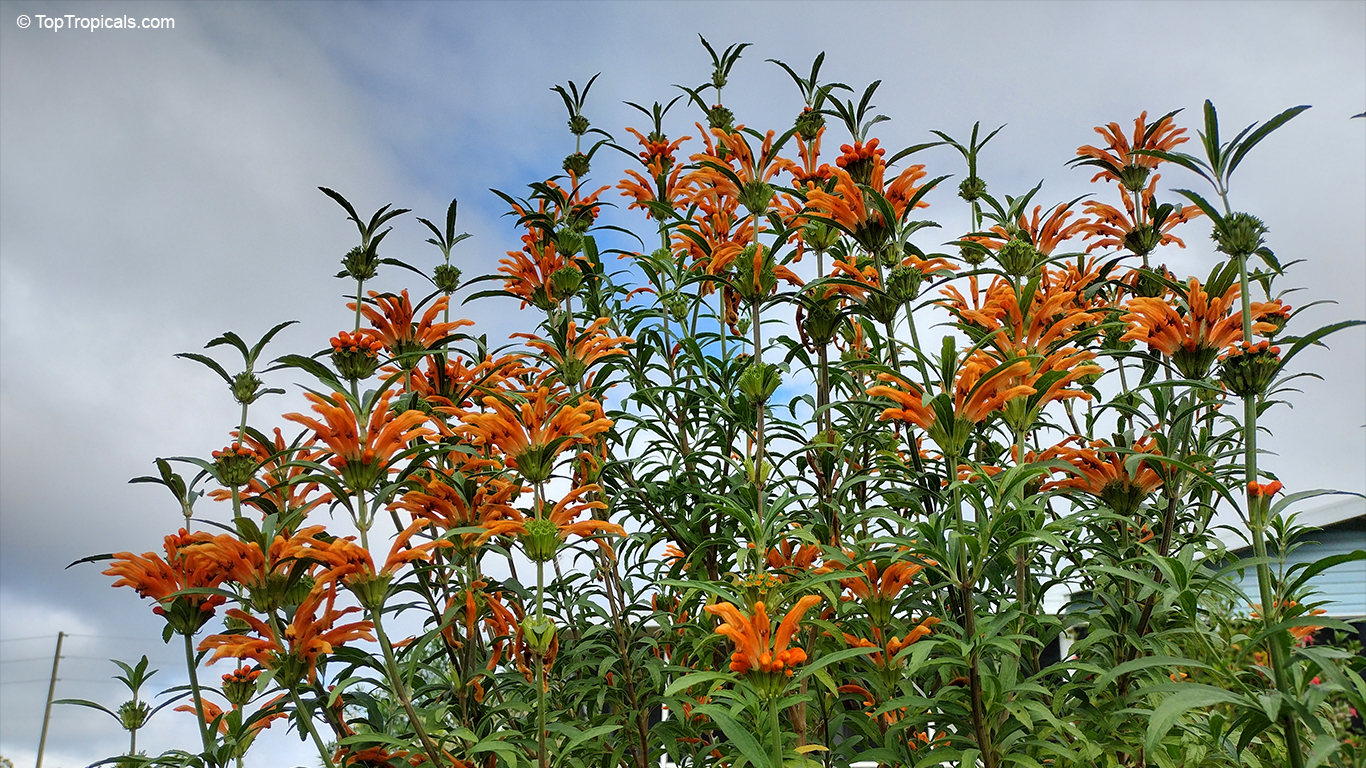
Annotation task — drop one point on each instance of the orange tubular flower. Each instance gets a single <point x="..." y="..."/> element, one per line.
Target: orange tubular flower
<point x="1194" y="338"/>
<point x="1100" y="470"/>
<point x="353" y="567"/>
<point x="910" y="404"/>
<point x="544" y="534"/>
<point x="446" y="506"/>
<point x="361" y="466"/>
<point x="393" y="324"/>
<point x="662" y="185"/>
<point x="1045" y="234"/>
<point x="1122" y="229"/>
<point x="1117" y="160"/>
<point x="757" y="647"/>
<point x="311" y="634"/>
<point x="886" y="655"/>
<point x="183" y="568"/>
<point x="532" y="433"/>
<point x="275" y="490"/>
<point x="575" y="353"/>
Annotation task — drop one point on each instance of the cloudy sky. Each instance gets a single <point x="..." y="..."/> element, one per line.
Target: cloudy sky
<point x="158" y="187"/>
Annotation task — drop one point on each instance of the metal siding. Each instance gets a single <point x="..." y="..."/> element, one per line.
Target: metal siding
<point x="1342" y="588"/>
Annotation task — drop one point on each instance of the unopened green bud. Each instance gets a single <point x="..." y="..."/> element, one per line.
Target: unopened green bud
<point x="903" y="283"/>
<point x="720" y="117"/>
<point x="539" y="634"/>
<point x="360" y="263"/>
<point x="1248" y="370"/>
<point x="1148" y="283"/>
<point x="541" y="540"/>
<point x="755" y="196"/>
<point x="370" y="589"/>
<point x="759" y="381"/>
<point x="1143" y="239"/>
<point x="1239" y="234"/>
<point x="973" y="256"/>
<point x="809" y="124"/>
<point x="972" y="188"/>
<point x="578" y="125"/>
<point x="1017" y="257"/>
<point x="1134" y="177"/>
<point x="819" y="235"/>
<point x="234" y="466"/>
<point x="133" y="714"/>
<point x="821" y="321"/>
<point x="576" y="164"/>
<point x="566" y="281"/>
<point x="447" y="278"/>
<point x="245" y="386"/>
<point x="568" y="241"/>
<point x="1194" y="363"/>
<point x="676" y="306"/>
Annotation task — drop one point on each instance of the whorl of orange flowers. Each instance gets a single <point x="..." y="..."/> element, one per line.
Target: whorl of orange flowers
<point x="757" y="646"/>
<point x="313" y="632"/>
<point x="910" y="406"/>
<point x="385" y="435"/>
<point x="438" y="501"/>
<point x="1044" y="233"/>
<point x="1193" y="338"/>
<point x="274" y="489"/>
<point x="887" y="651"/>
<point x="715" y="234"/>
<point x="577" y="352"/>
<point x="1119" y="150"/>
<point x="352" y="565"/>
<point x="184" y="567"/>
<point x="662" y="184"/>
<point x="245" y="564"/>
<point x="531" y="432"/>
<point x="451" y="383"/>
<point x="1113" y="227"/>
<point x="1052" y="318"/>
<point x="392" y="324"/>
<point x="1101" y="470"/>
<point x="564" y="515"/>
<point x="740" y="159"/>
<point x="880" y="583"/>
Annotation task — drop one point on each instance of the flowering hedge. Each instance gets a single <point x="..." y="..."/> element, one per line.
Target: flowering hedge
<point x="817" y="517"/>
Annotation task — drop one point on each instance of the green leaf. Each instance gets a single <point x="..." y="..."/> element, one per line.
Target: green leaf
<point x="1144" y="663"/>
<point x="738" y="735"/>
<point x="688" y="681"/>
<point x="1186" y="698"/>
<point x="833" y="658"/>
<point x="1261" y="133"/>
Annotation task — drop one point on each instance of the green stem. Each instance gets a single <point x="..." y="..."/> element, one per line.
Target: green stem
<point x="775" y="728"/>
<point x="360" y="284"/>
<point x="1257" y="521"/>
<point x="401" y="690"/>
<point x="196" y="693"/>
<point x="542" y="754"/>
<point x="306" y="716"/>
